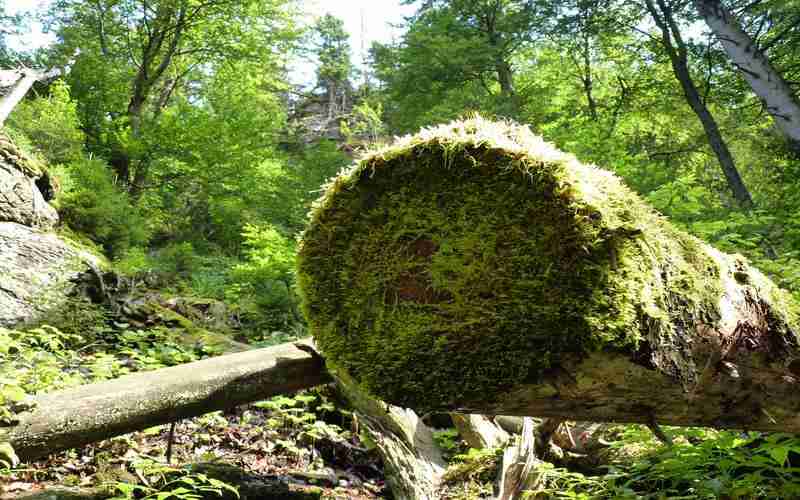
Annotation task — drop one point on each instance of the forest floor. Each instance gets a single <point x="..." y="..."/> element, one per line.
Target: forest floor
<point x="266" y="443"/>
<point x="303" y="446"/>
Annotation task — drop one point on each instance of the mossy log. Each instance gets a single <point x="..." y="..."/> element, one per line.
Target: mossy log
<point x="475" y="268"/>
<point x="90" y="413"/>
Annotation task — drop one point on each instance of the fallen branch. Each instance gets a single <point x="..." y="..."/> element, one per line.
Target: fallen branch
<point x="90" y="413"/>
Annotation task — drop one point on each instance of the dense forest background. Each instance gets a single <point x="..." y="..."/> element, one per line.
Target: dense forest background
<point x="180" y="144"/>
<point x="184" y="153"/>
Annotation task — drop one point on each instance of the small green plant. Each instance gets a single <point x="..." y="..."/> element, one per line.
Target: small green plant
<point x="471" y="475"/>
<point x="449" y="442"/>
<point x="171" y="483"/>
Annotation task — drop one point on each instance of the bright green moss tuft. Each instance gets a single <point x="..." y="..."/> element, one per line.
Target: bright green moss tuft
<point x="469" y="258"/>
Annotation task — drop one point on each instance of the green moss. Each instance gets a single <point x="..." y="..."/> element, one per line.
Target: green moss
<point x="475" y="252"/>
<point x="20" y="157"/>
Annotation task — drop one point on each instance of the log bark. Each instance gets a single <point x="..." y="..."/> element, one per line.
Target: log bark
<point x="474" y="268"/>
<point x="766" y="82"/>
<point x="479" y="431"/>
<point x="519" y="463"/>
<point x="90" y="413"/>
<point x="413" y="462"/>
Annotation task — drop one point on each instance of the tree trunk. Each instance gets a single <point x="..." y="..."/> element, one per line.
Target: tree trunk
<point x="586" y="76"/>
<point x="765" y="81"/>
<point x="90" y="413"/>
<point x="677" y="53"/>
<point x="18" y="83"/>
<point x="413" y="461"/>
<point x="519" y="463"/>
<point x="474" y="268"/>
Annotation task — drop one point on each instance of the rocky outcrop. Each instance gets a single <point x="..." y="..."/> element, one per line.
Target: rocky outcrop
<point x="36" y="266"/>
<point x="22" y="181"/>
<point x="37" y="270"/>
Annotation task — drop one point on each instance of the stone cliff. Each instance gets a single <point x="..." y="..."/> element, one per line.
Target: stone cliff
<point x="37" y="265"/>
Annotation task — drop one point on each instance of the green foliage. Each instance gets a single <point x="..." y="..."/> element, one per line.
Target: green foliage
<point x="301" y="414"/>
<point x="51" y="123"/>
<point x="365" y="123"/>
<point x="264" y="282"/>
<point x="92" y="203"/>
<point x="332" y="49"/>
<point x="472" y="475"/>
<point x="448" y="441"/>
<point x="172" y="483"/>
<point x="705" y="463"/>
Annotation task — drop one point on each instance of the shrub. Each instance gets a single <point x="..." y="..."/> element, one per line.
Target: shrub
<point x="92" y="204"/>
<point x="51" y="123"/>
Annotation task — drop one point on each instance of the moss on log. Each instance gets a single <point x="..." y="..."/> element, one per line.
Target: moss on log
<point x="473" y="266"/>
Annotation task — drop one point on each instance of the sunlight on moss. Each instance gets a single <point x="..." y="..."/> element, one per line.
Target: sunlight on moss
<point x="476" y="252"/>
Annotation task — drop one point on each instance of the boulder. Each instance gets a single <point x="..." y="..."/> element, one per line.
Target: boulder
<point x="22" y="181"/>
<point x="37" y="269"/>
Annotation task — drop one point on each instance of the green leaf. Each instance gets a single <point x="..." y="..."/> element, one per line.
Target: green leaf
<point x="780" y="454"/>
<point x="12" y="393"/>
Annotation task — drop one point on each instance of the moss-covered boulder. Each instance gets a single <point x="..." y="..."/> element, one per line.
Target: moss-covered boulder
<point x="474" y="258"/>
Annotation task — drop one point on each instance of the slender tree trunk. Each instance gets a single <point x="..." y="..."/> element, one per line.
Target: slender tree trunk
<point x="505" y="77"/>
<point x="765" y="81"/>
<point x="586" y="77"/>
<point x="677" y="53"/>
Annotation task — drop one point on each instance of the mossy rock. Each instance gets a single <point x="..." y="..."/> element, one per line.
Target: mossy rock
<point x="468" y="259"/>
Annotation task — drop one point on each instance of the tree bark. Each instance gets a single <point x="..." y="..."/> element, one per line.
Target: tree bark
<point x="479" y="431"/>
<point x="742" y="373"/>
<point x="413" y="461"/>
<point x="90" y="413"/>
<point x="677" y="52"/>
<point x="765" y="81"/>
<point x="20" y="82"/>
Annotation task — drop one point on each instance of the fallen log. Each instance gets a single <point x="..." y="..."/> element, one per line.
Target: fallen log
<point x="90" y="413"/>
<point x="475" y="268"/>
<point x="413" y="462"/>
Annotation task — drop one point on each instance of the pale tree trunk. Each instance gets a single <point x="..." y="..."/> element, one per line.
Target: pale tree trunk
<point x="90" y="413"/>
<point x="765" y="81"/>
<point x="19" y="82"/>
<point x="519" y="463"/>
<point x="412" y="460"/>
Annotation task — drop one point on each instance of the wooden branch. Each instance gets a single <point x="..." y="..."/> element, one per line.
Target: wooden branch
<point x="20" y="82"/>
<point x="90" y="413"/>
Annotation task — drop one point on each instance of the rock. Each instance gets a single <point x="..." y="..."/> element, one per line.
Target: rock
<point x="37" y="268"/>
<point x="21" y="199"/>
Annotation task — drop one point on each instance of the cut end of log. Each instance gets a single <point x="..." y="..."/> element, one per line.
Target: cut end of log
<point x="474" y="258"/>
